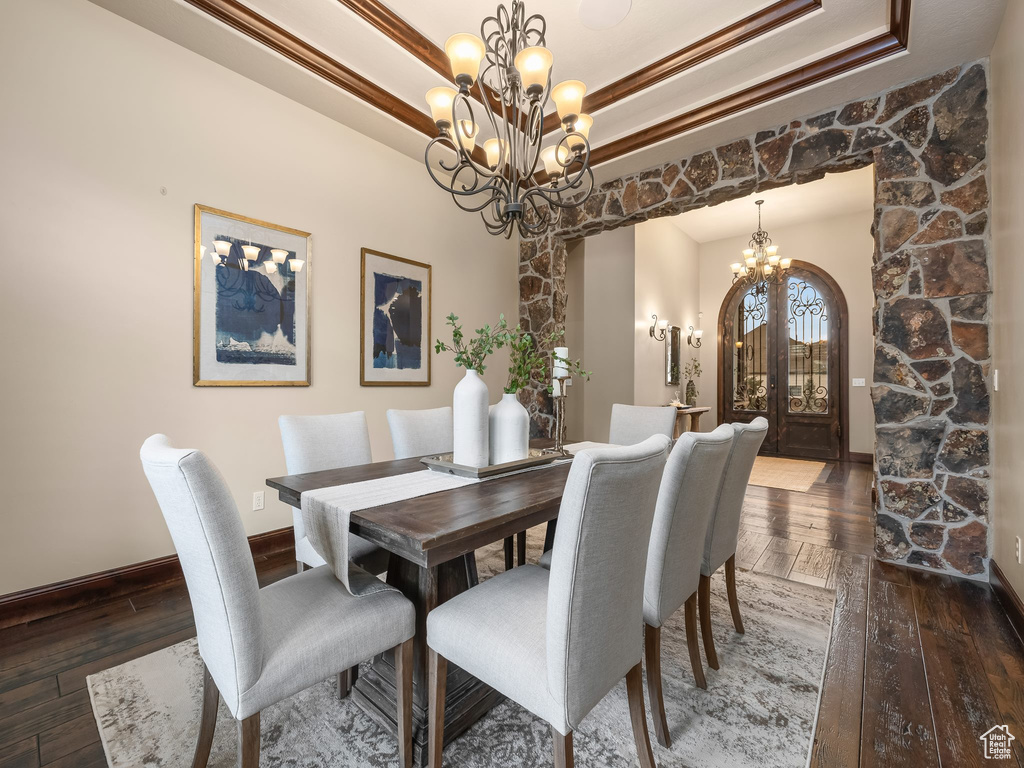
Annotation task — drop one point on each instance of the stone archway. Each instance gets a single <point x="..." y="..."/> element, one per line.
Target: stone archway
<point x="927" y="140"/>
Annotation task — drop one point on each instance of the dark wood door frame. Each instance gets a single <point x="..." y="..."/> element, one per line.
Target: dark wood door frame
<point x="844" y="347"/>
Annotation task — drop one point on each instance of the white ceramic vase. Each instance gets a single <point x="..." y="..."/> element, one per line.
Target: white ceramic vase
<point x="469" y="412"/>
<point x="509" y="430"/>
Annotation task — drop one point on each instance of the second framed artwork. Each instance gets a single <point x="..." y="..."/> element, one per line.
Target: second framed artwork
<point x="394" y="321"/>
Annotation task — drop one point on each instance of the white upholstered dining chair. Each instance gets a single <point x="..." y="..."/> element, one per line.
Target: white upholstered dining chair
<point x="687" y="497"/>
<point x="260" y="646"/>
<point x="557" y="642"/>
<point x="724" y="528"/>
<point x="431" y="432"/>
<point x="421" y="433"/>
<point x="631" y="424"/>
<point x="332" y="441"/>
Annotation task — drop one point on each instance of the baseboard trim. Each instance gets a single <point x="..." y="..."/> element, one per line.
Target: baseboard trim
<point x="862" y="458"/>
<point x="1009" y="599"/>
<point x="50" y="599"/>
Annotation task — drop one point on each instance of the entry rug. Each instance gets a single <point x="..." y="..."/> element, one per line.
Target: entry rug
<point x="787" y="474"/>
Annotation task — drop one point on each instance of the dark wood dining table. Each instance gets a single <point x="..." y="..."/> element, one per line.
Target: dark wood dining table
<point x="432" y="540"/>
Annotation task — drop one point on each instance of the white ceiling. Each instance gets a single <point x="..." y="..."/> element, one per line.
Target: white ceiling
<point x="834" y="195"/>
<point x="652" y="29"/>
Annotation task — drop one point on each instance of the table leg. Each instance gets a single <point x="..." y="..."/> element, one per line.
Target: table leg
<point x="695" y="422"/>
<point x="521" y="547"/>
<point x="467" y="699"/>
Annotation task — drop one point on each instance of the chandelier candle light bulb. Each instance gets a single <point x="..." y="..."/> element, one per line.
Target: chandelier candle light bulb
<point x="271" y="267"/>
<point x="582" y="127"/>
<point x="279" y="255"/>
<point x="465" y="52"/>
<point x="554" y="159"/>
<point x="252" y="252"/>
<point x="568" y="98"/>
<point x="467" y="135"/>
<point x="223" y="247"/>
<point x="496" y="153"/>
<point x="533" y="65"/>
<point x="440" y="101"/>
<point x="296" y="264"/>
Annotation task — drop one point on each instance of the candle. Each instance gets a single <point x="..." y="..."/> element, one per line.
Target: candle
<point x="561" y="367"/>
<point x="556" y="389"/>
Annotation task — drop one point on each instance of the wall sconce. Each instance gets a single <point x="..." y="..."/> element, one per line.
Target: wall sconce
<point x="660" y="328"/>
<point x="695" y="335"/>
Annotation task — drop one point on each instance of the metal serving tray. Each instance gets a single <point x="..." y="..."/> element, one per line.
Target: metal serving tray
<point x="537" y="457"/>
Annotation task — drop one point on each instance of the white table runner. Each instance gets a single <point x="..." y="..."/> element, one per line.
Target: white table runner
<point x="327" y="512"/>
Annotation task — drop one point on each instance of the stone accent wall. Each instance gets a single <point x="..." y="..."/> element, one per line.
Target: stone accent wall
<point x="927" y="140"/>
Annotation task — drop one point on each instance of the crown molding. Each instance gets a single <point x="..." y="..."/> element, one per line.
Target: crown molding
<point x="842" y="62"/>
<point x="262" y="30"/>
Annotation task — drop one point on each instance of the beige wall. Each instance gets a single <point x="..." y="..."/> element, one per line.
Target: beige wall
<point x="604" y="265"/>
<point x="575" y="280"/>
<point x="842" y="246"/>
<point x="98" y="302"/>
<point x="615" y="282"/>
<point x="1007" y="207"/>
<point x="666" y="284"/>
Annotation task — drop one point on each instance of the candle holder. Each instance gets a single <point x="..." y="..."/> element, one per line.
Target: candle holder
<point x="558" y="395"/>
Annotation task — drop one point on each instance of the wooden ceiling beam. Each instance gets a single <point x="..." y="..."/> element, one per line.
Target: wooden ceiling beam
<point x="275" y="37"/>
<point x="400" y="32"/>
<point x="721" y="41"/>
<point x="262" y="30"/>
<point x="842" y="62"/>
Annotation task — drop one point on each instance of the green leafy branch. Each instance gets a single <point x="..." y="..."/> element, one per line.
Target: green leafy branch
<point x="692" y="369"/>
<point x="471" y="354"/>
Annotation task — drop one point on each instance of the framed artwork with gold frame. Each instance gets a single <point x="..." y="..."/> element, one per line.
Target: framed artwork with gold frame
<point x="394" y="321"/>
<point x="251" y="302"/>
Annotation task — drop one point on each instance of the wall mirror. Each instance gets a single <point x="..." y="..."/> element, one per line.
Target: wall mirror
<point x="673" y="342"/>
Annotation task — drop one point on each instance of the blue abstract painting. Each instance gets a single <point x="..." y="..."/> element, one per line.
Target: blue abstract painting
<point x="255" y="309"/>
<point x="397" y="322"/>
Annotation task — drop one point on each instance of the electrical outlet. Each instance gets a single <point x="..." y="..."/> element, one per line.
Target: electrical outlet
<point x="257" y="501"/>
<point x="858" y="383"/>
<point x="1018" y="550"/>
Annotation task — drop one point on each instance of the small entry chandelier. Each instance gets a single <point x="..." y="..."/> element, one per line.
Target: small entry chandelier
<point x="761" y="265"/>
<point x="503" y="182"/>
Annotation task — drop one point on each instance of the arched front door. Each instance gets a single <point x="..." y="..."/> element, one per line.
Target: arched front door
<point x="783" y="356"/>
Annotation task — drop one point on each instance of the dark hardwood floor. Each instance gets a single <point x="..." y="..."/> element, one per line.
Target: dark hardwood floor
<point x="919" y="666"/>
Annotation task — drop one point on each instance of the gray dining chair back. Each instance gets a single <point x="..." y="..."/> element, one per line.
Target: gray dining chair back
<point x="724" y="528"/>
<point x="421" y="433"/>
<point x="631" y="424"/>
<point x="314" y="443"/>
<point x="210" y="541"/>
<point x="595" y="593"/>
<point x="317" y="442"/>
<point x="687" y="498"/>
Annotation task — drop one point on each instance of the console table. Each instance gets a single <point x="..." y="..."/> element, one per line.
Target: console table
<point x="690" y="416"/>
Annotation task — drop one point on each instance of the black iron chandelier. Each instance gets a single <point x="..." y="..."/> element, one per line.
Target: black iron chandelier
<point x="503" y="182"/>
<point x="761" y="265"/>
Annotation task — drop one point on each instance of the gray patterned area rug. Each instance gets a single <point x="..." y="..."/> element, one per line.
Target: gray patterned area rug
<point x="758" y="710"/>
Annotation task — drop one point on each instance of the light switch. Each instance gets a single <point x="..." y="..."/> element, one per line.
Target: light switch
<point x="858" y="382"/>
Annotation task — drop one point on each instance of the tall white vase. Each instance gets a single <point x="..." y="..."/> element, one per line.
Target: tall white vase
<point x="509" y="430"/>
<point x="469" y="412"/>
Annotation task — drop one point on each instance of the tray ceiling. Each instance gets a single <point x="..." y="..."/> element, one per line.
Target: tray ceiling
<point x="391" y="49"/>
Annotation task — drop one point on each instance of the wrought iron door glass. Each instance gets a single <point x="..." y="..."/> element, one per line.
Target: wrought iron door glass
<point x="750" y="351"/>
<point x="807" y="326"/>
